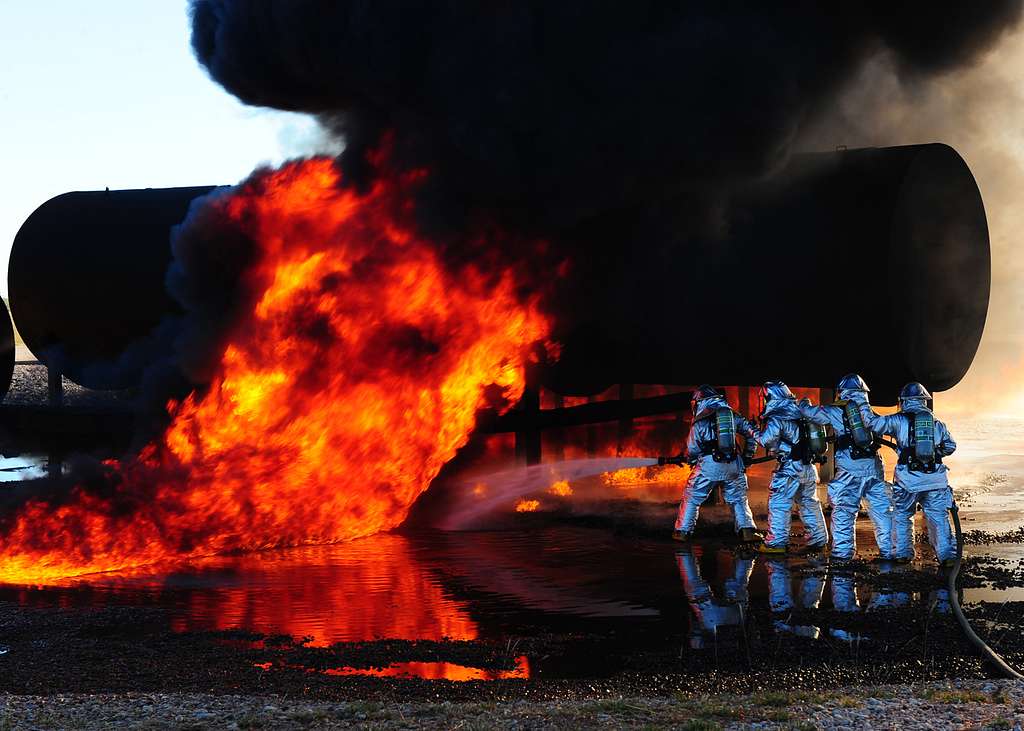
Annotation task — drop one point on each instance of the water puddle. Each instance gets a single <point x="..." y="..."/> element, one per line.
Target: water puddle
<point x="550" y="577"/>
<point x="467" y="586"/>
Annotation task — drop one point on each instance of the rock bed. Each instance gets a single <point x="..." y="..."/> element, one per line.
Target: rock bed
<point x="950" y="705"/>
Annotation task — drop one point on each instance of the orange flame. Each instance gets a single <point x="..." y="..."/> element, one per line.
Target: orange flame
<point x="527" y="506"/>
<point x="355" y="376"/>
<point x="562" y="488"/>
<point x="631" y="477"/>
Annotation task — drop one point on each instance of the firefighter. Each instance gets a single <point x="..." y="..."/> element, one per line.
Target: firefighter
<point x="798" y="446"/>
<point x="858" y="470"/>
<point x="920" y="477"/>
<point x="715" y="459"/>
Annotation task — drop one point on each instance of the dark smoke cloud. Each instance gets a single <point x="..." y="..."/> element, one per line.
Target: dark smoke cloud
<point x="974" y="109"/>
<point x="546" y="113"/>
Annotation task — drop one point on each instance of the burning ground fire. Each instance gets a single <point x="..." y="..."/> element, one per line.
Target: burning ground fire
<point x="562" y="488"/>
<point x="527" y="506"/>
<point x="632" y="477"/>
<point x="353" y="378"/>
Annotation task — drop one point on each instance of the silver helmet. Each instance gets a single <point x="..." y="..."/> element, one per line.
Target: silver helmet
<point x="703" y="393"/>
<point x="914" y="392"/>
<point x="771" y="392"/>
<point x="852" y="382"/>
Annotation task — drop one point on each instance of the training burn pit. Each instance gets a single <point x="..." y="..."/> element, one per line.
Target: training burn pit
<point x="355" y="361"/>
<point x="317" y="343"/>
<point x="347" y="361"/>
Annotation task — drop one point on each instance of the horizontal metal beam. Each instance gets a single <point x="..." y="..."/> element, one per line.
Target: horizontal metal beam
<point x="489" y="422"/>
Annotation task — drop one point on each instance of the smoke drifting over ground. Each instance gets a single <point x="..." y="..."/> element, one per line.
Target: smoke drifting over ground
<point x="976" y="110"/>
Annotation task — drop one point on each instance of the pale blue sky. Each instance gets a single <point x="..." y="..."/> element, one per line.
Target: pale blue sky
<point x="107" y="94"/>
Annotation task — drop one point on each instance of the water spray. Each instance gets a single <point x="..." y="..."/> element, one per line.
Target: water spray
<point x="484" y="494"/>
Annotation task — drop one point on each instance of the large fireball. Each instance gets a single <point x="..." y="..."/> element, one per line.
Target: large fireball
<point x="355" y="376"/>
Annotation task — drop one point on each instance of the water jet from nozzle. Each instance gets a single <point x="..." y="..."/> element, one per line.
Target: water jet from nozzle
<point x="483" y="495"/>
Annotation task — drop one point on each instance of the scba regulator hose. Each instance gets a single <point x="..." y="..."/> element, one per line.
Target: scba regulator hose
<point x="985" y="650"/>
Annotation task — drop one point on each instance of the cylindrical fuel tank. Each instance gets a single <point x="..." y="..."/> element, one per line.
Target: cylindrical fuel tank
<point x="874" y="261"/>
<point x="86" y="274"/>
<point x="6" y="350"/>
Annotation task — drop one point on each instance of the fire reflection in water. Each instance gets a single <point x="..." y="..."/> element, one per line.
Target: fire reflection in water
<point x="439" y="671"/>
<point x="424" y="670"/>
<point x="366" y="589"/>
<point x="387" y="586"/>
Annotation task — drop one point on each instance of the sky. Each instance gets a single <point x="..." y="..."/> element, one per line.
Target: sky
<point x="107" y="94"/>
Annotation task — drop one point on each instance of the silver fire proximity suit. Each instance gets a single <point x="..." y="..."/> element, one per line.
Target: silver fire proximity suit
<point x="855" y="479"/>
<point x="929" y="489"/>
<point x="710" y="613"/>
<point x="792" y="481"/>
<point x="706" y="472"/>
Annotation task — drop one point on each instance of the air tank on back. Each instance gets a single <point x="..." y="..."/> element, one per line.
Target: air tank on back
<point x="873" y="260"/>
<point x="86" y="277"/>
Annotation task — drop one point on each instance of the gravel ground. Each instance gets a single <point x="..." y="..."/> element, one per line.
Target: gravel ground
<point x="954" y="705"/>
<point x="29" y="387"/>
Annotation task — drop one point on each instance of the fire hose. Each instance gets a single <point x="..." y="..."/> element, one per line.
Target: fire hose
<point x="954" y="602"/>
<point x="954" y="597"/>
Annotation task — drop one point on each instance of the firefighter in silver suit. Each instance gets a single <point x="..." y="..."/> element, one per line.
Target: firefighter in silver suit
<point x="714" y="456"/>
<point x="795" y="478"/>
<point x="858" y="469"/>
<point x="920" y="477"/>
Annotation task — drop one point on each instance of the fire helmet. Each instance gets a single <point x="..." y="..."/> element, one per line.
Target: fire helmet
<point x="852" y="382"/>
<point x="914" y="392"/>
<point x="772" y="391"/>
<point x="703" y="393"/>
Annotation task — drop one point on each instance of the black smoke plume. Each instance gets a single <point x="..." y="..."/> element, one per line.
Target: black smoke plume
<point x="545" y="114"/>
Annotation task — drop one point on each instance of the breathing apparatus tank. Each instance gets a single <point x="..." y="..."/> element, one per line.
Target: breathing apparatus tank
<point x="920" y="454"/>
<point x="924" y="436"/>
<point x="813" y="443"/>
<point x="860" y="436"/>
<point x="725" y="435"/>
